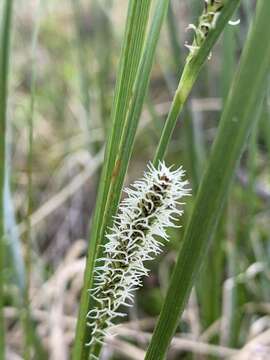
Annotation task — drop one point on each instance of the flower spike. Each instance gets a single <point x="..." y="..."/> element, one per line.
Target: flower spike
<point x="150" y="207"/>
<point x="207" y="22"/>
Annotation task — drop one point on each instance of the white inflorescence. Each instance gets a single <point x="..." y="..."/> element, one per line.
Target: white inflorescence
<point x="151" y="206"/>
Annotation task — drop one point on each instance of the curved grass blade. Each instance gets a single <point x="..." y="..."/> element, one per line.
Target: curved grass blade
<point x="236" y="123"/>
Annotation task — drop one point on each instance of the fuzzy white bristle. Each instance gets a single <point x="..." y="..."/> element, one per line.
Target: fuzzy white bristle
<point x="151" y="206"/>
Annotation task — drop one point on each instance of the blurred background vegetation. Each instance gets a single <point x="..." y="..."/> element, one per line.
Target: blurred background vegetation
<point x="64" y="59"/>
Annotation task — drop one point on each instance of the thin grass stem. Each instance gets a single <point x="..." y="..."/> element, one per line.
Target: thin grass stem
<point x="4" y="72"/>
<point x="27" y="321"/>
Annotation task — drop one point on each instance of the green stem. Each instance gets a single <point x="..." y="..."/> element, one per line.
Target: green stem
<point x="181" y="94"/>
<point x="4" y="71"/>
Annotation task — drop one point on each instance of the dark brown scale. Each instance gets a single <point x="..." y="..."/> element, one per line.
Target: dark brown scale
<point x="164" y="178"/>
<point x="156" y="201"/>
<point x="140" y="227"/>
<point x="143" y="207"/>
<point x="156" y="189"/>
<point x="205" y="29"/>
<point x="108" y="285"/>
